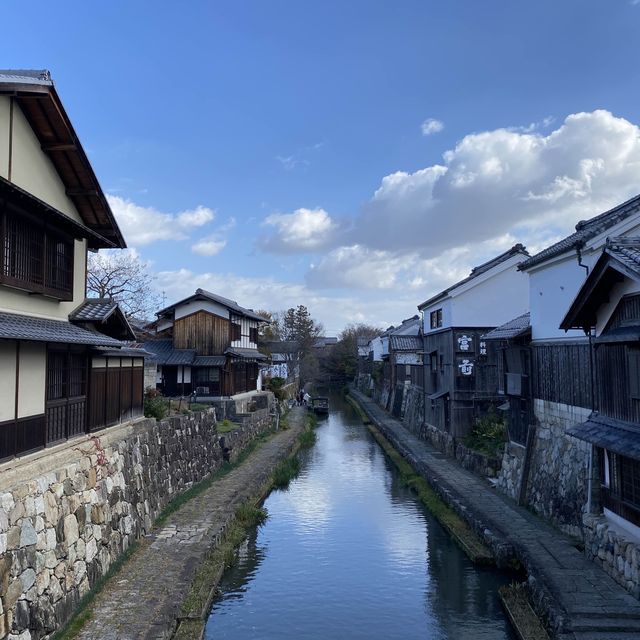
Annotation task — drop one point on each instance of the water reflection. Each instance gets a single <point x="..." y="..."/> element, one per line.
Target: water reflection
<point x="348" y="552"/>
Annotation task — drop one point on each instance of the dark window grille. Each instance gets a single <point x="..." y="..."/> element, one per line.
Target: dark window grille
<point x="435" y="318"/>
<point x="35" y="258"/>
<point x="236" y="332"/>
<point x="622" y="496"/>
<point x="253" y="335"/>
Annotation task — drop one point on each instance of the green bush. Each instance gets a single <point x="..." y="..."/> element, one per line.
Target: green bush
<point x="155" y="406"/>
<point x="307" y="438"/>
<point x="285" y="472"/>
<point x="489" y="435"/>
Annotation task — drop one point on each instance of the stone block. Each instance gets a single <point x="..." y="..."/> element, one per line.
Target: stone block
<point x="12" y="594"/>
<point x="28" y="534"/>
<point x="71" y="534"/>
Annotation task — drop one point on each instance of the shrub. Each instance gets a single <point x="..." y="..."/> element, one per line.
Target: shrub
<point x="285" y="472"/>
<point x="307" y="438"/>
<point x="155" y="406"/>
<point x="489" y="434"/>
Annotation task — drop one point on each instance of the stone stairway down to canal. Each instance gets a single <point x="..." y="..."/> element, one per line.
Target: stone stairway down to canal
<point x="582" y="601"/>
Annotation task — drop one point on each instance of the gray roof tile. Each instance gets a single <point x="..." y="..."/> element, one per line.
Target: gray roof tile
<point x="241" y="352"/>
<point x="19" y="327"/>
<point x="232" y="305"/>
<point x="165" y="353"/>
<point x="26" y="76"/>
<point x="405" y="343"/>
<point x="615" y="435"/>
<point x="585" y="230"/>
<point x="209" y="361"/>
<point x="94" y="310"/>
<point x="509" y="330"/>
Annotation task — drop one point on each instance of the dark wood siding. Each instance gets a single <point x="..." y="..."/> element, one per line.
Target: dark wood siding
<point x="205" y="332"/>
<point x="562" y="373"/>
<point x="21" y="436"/>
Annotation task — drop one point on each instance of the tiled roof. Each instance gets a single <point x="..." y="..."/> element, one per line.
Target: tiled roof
<point x="615" y="435"/>
<point x="40" y="77"/>
<point x="405" y="343"/>
<point x="478" y="271"/>
<point x="19" y="327"/>
<point x="510" y="330"/>
<point x="165" y="353"/>
<point x="94" y="310"/>
<point x="585" y="230"/>
<point x="251" y="354"/>
<point x="209" y="361"/>
<point x="232" y="305"/>
<point x="127" y="352"/>
<point x="625" y="249"/>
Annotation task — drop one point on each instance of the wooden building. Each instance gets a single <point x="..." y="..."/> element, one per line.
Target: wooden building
<point x="511" y="342"/>
<point x="607" y="308"/>
<point x="460" y="369"/>
<point x="207" y="344"/>
<point x="63" y="369"/>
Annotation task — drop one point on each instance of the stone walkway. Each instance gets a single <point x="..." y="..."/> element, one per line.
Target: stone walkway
<point x="143" y="599"/>
<point x="583" y="602"/>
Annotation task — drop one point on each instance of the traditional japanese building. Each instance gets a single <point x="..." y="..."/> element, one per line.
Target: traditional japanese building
<point x="562" y="380"/>
<point x="460" y="368"/>
<point x="607" y="309"/>
<point x="63" y="369"/>
<point x="207" y="344"/>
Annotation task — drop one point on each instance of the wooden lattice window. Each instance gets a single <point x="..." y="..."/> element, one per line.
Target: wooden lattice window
<point x="236" y="332"/>
<point x="253" y="334"/>
<point x="435" y="318"/>
<point x="35" y="258"/>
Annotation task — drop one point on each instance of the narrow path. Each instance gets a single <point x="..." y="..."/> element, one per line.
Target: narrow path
<point x="584" y="602"/>
<point x="143" y="599"/>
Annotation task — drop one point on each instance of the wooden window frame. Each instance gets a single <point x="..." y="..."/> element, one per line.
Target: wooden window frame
<point x="435" y="318"/>
<point x="253" y="334"/>
<point x="236" y="332"/>
<point x="34" y="257"/>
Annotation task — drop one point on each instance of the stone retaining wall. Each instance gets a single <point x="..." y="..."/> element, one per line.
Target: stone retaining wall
<point x="559" y="466"/>
<point x="616" y="553"/>
<point x="67" y="513"/>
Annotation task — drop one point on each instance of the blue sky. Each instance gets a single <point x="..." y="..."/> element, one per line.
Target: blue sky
<point x="355" y="156"/>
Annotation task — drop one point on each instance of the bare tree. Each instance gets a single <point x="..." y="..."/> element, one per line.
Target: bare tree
<point x="123" y="277"/>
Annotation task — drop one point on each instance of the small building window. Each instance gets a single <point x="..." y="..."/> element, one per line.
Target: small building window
<point x="236" y="332"/>
<point x="436" y="319"/>
<point x="634" y="373"/>
<point x="34" y="258"/>
<point x="253" y="334"/>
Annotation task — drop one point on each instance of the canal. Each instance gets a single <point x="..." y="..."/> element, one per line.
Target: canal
<point x="348" y="552"/>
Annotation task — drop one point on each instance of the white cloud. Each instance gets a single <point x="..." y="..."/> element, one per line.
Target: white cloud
<point x="430" y="126"/>
<point x="302" y="230"/>
<point x="506" y="181"/>
<point x="289" y="163"/>
<point x="209" y="246"/>
<point x="334" y="311"/>
<point x="196" y="217"/>
<point x="144" y="225"/>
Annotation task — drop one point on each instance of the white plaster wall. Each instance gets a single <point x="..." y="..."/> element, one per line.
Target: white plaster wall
<point x="625" y="288"/>
<point x="7" y="380"/>
<point x="551" y="292"/>
<point x="32" y="170"/>
<point x="32" y="379"/>
<point x="17" y="301"/>
<point x="447" y="317"/>
<point x="492" y="301"/>
<point x="245" y="325"/>
<point x="4" y="137"/>
<point x="201" y="305"/>
<point x="408" y="358"/>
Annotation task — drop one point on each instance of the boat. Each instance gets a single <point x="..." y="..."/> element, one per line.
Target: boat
<point x="320" y="404"/>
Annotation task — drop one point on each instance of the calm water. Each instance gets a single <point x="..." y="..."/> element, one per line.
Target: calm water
<point x="348" y="552"/>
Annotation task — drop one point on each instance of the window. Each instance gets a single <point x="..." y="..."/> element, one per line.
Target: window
<point x="620" y="480"/>
<point x="436" y="318"/>
<point x="634" y="373"/>
<point x="236" y="332"/>
<point x="434" y="360"/>
<point x="253" y="334"/>
<point x="205" y="375"/>
<point x="35" y="258"/>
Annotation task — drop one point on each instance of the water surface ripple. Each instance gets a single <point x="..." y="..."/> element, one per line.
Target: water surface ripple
<point x="348" y="552"/>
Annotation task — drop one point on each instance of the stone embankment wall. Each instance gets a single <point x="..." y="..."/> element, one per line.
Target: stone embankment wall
<point x="558" y="470"/>
<point x="407" y="404"/>
<point x="67" y="513"/>
<point x="614" y="551"/>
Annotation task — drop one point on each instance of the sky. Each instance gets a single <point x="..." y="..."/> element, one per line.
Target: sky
<point x="355" y="157"/>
